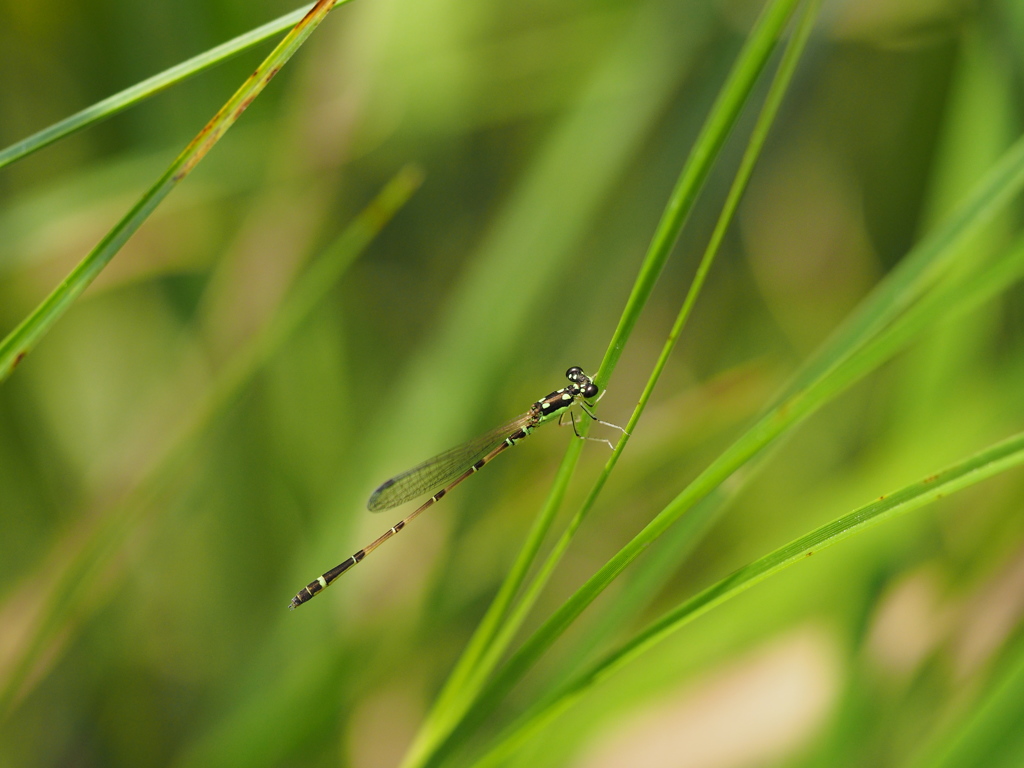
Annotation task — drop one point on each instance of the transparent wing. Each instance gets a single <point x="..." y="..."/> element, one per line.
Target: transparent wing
<point x="442" y="469"/>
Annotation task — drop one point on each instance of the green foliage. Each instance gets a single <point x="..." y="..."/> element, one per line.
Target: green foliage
<point x="195" y="439"/>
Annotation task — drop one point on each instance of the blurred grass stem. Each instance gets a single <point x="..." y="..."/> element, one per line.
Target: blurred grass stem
<point x="27" y="334"/>
<point x="68" y="587"/>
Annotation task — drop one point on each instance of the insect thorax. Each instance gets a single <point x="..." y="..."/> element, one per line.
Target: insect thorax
<point x="555" y="403"/>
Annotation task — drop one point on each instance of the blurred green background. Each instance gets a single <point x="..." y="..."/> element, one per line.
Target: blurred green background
<point x="550" y="135"/>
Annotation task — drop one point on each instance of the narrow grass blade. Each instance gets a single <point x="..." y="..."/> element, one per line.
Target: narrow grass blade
<point x="773" y="101"/>
<point x="23" y="338"/>
<point x="981" y="466"/>
<point x="131" y="96"/>
<point x="734" y="94"/>
<point x="486" y="646"/>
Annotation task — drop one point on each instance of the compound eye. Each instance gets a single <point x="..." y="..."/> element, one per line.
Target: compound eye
<point x="590" y="390"/>
<point x="574" y="373"/>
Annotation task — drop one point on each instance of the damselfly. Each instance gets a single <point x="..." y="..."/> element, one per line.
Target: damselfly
<point x="448" y="469"/>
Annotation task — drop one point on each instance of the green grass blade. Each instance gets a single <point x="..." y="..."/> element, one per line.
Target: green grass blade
<point x="766" y="118"/>
<point x="986" y="200"/>
<point x="66" y="593"/>
<point x="751" y="62"/>
<point x="992" y="461"/>
<point x="898" y="288"/>
<point x="937" y="305"/>
<point x="496" y="629"/>
<point x="28" y="333"/>
<point x="131" y="96"/>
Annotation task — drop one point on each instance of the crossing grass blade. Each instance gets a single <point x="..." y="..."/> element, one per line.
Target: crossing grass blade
<point x="938" y="305"/>
<point x="777" y="91"/>
<point x="983" y="465"/>
<point x="141" y="91"/>
<point x="28" y="333"/>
